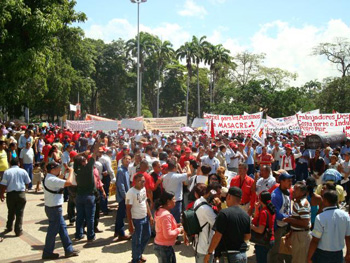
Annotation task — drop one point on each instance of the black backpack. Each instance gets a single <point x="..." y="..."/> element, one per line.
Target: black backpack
<point x="190" y="221"/>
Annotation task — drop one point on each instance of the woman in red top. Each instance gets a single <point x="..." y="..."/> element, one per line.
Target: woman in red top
<point x="266" y="210"/>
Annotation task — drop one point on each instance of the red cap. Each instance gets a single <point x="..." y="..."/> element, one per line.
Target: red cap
<point x="188" y="150"/>
<point x="23" y="127"/>
<point x="164" y="167"/>
<point x="178" y="141"/>
<point x="72" y="154"/>
<point x="178" y="148"/>
<point x="241" y="144"/>
<point x="288" y="146"/>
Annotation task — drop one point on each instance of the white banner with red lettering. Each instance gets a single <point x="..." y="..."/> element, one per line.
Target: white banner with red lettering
<point x="284" y="124"/>
<point x="325" y="123"/>
<point x="235" y="123"/>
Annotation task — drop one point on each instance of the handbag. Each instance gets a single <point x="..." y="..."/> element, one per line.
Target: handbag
<point x="264" y="238"/>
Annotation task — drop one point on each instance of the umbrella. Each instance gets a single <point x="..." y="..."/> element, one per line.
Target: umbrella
<point x="186" y="129"/>
<point x="43" y="124"/>
<point x="331" y="175"/>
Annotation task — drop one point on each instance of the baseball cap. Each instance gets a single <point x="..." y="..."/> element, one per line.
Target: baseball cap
<point x="188" y="150"/>
<point x="235" y="191"/>
<point x="285" y="175"/>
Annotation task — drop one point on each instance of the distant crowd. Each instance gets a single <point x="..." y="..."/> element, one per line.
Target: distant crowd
<point x="219" y="195"/>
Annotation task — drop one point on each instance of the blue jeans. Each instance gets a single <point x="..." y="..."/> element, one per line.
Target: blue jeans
<point x="140" y="237"/>
<point x="321" y="256"/>
<point x="85" y="213"/>
<point x="261" y="253"/>
<point x="165" y="254"/>
<point x="119" y="219"/>
<point x="234" y="258"/>
<point x="29" y="168"/>
<point x="176" y="211"/>
<point x="57" y="225"/>
<point x="106" y="180"/>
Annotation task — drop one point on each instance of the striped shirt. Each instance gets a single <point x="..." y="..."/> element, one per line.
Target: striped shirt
<point x="301" y="210"/>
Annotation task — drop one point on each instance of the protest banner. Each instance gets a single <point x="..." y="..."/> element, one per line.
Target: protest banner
<point x="92" y="125"/>
<point x="199" y="123"/>
<point x="235" y="123"/>
<point x="165" y="125"/>
<point x="131" y="124"/>
<point x="325" y="123"/>
<point x="283" y="125"/>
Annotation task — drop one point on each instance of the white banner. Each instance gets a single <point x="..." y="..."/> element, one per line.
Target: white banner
<point x="325" y="123"/>
<point x="72" y="107"/>
<point x="131" y="124"/>
<point x="198" y="123"/>
<point x="92" y="125"/>
<point x="285" y="124"/>
<point x="165" y="125"/>
<point x="235" y="123"/>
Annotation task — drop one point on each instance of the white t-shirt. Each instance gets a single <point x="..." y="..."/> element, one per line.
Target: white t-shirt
<point x="138" y="199"/>
<point x="205" y="214"/>
<point x="172" y="183"/>
<point x="27" y="155"/>
<point x="198" y="179"/>
<point x="213" y="163"/>
<point x="53" y="183"/>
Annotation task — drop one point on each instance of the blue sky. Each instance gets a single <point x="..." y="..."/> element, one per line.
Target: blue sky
<point x="285" y="31"/>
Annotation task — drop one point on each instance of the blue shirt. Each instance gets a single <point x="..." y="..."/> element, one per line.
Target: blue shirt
<point x="123" y="183"/>
<point x="250" y="159"/>
<point x="331" y="227"/>
<point x="15" y="179"/>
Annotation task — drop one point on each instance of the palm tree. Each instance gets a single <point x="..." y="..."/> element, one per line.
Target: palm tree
<point x="214" y="55"/>
<point x="187" y="51"/>
<point x="164" y="53"/>
<point x="200" y="46"/>
<point x="146" y="49"/>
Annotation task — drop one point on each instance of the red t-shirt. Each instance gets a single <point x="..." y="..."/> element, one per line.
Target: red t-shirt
<point x="50" y="137"/>
<point x="247" y="195"/>
<point x="183" y="159"/>
<point x="265" y="159"/>
<point x="46" y="150"/>
<point x="76" y="137"/>
<point x="149" y="181"/>
<point x="261" y="220"/>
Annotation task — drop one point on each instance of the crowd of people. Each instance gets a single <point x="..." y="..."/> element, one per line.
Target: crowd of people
<point x="219" y="195"/>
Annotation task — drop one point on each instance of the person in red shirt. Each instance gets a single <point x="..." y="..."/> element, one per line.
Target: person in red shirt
<point x="149" y="184"/>
<point x="263" y="219"/>
<point x="76" y="137"/>
<point x="186" y="157"/>
<point x="246" y="184"/>
<point x="50" y="137"/>
<point x="265" y="158"/>
<point x="46" y="149"/>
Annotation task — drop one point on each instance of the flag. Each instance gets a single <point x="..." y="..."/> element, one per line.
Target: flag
<point x="334" y="112"/>
<point x="77" y="112"/>
<point x="72" y="107"/>
<point x="212" y="133"/>
<point x="260" y="134"/>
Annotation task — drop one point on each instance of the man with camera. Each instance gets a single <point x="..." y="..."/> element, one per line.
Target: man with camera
<point x="206" y="217"/>
<point x="53" y="185"/>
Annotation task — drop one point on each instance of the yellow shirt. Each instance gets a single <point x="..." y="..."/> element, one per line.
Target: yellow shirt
<point x="3" y="161"/>
<point x="338" y="188"/>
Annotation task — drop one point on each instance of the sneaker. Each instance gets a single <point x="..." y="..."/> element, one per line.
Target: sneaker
<point x="52" y="256"/>
<point x="74" y="253"/>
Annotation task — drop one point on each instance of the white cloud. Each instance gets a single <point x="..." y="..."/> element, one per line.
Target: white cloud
<point x="291" y="48"/>
<point x="191" y="8"/>
<point x="217" y="1"/>
<point x="121" y="28"/>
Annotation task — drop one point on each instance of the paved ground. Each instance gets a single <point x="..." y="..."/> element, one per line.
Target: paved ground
<point x="28" y="247"/>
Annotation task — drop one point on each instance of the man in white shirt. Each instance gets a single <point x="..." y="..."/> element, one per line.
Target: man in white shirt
<point x="206" y="217"/>
<point x="265" y="181"/>
<point x="210" y="160"/>
<point x="53" y="186"/>
<point x="236" y="157"/>
<point x="172" y="183"/>
<point x="139" y="217"/>
<point x="27" y="161"/>
<point x="106" y="162"/>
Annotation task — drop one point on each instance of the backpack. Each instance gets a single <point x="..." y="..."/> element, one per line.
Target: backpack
<point x="190" y="221"/>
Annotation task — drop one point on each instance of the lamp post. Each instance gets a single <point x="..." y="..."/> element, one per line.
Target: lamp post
<point x="139" y="102"/>
<point x="158" y="91"/>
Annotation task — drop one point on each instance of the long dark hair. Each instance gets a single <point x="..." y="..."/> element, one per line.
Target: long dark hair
<point x="265" y="198"/>
<point x="163" y="199"/>
<point x="310" y="184"/>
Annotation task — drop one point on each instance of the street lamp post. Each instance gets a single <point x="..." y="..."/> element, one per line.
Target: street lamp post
<point x="139" y="102"/>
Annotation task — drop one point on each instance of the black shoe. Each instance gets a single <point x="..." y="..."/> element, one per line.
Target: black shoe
<point x="18" y="234"/>
<point x="98" y="230"/>
<point x="7" y="230"/>
<point x="74" y="253"/>
<point x="52" y="256"/>
<point x="79" y="238"/>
